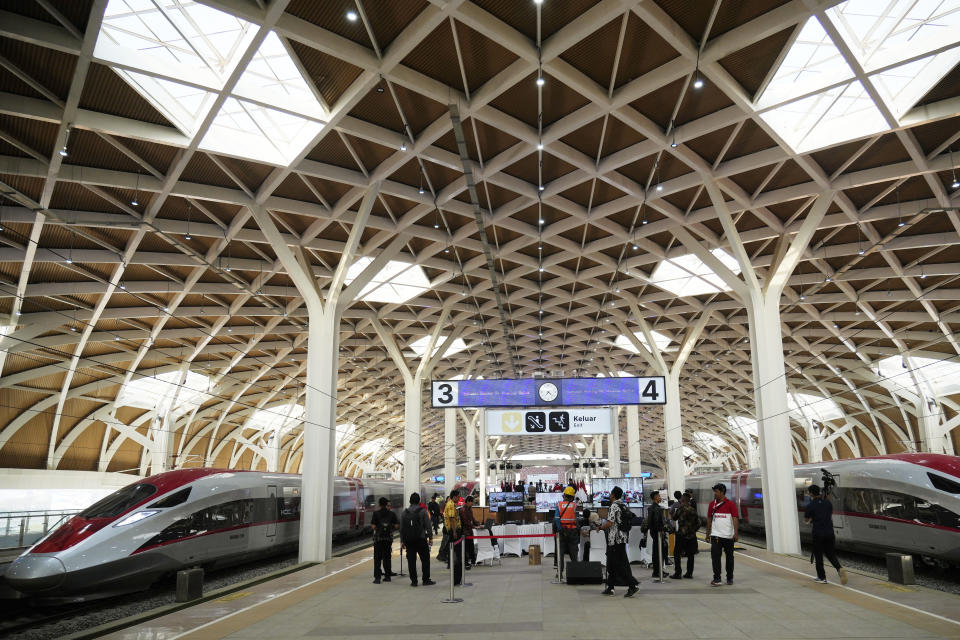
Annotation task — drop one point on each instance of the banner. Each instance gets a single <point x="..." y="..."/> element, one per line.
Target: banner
<point x="505" y="422"/>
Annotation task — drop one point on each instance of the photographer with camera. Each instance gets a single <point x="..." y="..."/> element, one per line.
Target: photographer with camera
<point x="819" y="512"/>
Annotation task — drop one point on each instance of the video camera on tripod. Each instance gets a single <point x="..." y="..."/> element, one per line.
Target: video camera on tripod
<point x="828" y="480"/>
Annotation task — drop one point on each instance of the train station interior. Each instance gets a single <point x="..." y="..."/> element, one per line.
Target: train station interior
<point x="264" y="263"/>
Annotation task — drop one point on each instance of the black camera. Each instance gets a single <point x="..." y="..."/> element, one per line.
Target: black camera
<point x="828" y="480"/>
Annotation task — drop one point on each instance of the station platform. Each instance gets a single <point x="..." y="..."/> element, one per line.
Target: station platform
<point x="773" y="597"/>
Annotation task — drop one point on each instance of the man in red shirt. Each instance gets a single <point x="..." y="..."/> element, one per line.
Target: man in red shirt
<point x="723" y="523"/>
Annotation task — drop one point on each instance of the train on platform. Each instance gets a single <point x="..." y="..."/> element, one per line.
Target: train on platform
<point x="902" y="503"/>
<point x="209" y="518"/>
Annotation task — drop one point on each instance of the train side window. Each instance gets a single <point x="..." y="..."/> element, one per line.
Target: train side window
<point x="290" y="508"/>
<point x="930" y="513"/>
<point x="896" y="505"/>
<point x="119" y="501"/>
<point x="370" y="502"/>
<point x="944" y="484"/>
<point x="172" y="500"/>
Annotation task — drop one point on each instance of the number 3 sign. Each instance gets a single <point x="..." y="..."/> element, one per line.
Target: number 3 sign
<point x="445" y="394"/>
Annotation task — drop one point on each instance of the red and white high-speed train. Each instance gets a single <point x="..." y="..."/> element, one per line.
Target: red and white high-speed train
<point x="185" y="518"/>
<point x="904" y="503"/>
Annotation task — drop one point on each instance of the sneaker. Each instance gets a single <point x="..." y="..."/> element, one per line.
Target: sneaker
<point x="631" y="591"/>
<point x="675" y="576"/>
<point x="393" y="573"/>
<point x="729" y="582"/>
<point x="843" y="575"/>
<point x="608" y="591"/>
<point x="414" y="584"/>
<point x="377" y="580"/>
<point x="820" y="580"/>
<point x="387" y="579"/>
<point x="715" y="583"/>
<point x="427" y="583"/>
<point x="688" y="576"/>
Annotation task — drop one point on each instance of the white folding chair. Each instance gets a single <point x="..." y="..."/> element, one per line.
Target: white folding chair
<point x="598" y="547"/>
<point x="485" y="550"/>
<point x="510" y="546"/>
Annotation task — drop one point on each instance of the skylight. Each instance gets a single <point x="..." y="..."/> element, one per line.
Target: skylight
<point x="419" y="347"/>
<point x="371" y="446"/>
<point x="746" y="426"/>
<point x="689" y="276"/>
<point x="661" y="341"/>
<point x="277" y="419"/>
<point x="164" y="392"/>
<point x="939" y="377"/>
<point x="396" y="283"/>
<point x="905" y="47"/>
<point x="709" y="440"/>
<point x="345" y="433"/>
<point x="179" y="54"/>
<point x="804" y="406"/>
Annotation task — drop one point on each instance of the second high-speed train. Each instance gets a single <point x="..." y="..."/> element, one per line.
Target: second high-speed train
<point x="185" y="518"/>
<point x="904" y="503"/>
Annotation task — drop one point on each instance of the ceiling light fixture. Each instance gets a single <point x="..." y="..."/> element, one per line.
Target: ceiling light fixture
<point x="540" y="81"/>
<point x="403" y="146"/>
<point x="352" y="16"/>
<point x="697" y="81"/>
<point x="540" y="146"/>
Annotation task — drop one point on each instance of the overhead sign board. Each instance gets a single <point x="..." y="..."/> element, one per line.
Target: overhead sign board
<point x="539" y="392"/>
<point x="557" y="421"/>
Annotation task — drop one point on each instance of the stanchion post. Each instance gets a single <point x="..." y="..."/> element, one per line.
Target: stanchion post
<point x="463" y="562"/>
<point x="556" y="556"/>
<point x="452" y="598"/>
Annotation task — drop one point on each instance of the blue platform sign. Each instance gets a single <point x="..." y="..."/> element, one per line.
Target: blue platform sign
<point x="539" y="392"/>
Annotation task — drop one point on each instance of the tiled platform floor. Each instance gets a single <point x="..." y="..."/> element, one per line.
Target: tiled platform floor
<point x="517" y="600"/>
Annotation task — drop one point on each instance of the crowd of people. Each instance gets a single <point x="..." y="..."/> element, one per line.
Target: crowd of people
<point x="671" y="530"/>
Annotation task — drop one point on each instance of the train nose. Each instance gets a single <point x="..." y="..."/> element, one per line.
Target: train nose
<point x="32" y="573"/>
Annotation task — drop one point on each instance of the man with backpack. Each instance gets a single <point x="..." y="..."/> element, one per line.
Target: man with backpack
<point x="384" y="524"/>
<point x="417" y="536"/>
<point x="618" y="525"/>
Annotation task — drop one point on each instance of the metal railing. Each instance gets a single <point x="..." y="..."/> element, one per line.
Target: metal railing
<point x="23" y="528"/>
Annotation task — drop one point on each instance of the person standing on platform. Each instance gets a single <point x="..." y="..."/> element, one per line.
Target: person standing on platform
<point x="687" y="522"/>
<point x="384" y="523"/>
<point x="453" y="532"/>
<point x="654" y="525"/>
<point x="820" y="513"/>
<point x="723" y="522"/>
<point x="468" y="523"/>
<point x="566" y="525"/>
<point x="415" y="532"/>
<point x="618" y="525"/>
<point x="435" y="512"/>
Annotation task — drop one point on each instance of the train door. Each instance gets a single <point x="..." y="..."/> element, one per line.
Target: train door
<point x="743" y="495"/>
<point x="271" y="511"/>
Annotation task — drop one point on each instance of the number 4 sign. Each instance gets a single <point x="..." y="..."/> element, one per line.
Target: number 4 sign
<point x="445" y="394"/>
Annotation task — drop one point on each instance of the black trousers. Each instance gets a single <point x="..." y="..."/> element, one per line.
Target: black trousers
<point x="656" y="564"/>
<point x="418" y="548"/>
<point x="381" y="557"/>
<point x="618" y="566"/>
<point x="823" y="546"/>
<point x="569" y="546"/>
<point x="684" y="546"/>
<point x="718" y="547"/>
<point x="454" y="556"/>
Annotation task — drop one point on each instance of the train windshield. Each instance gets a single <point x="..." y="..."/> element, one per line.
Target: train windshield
<point x="119" y="501"/>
